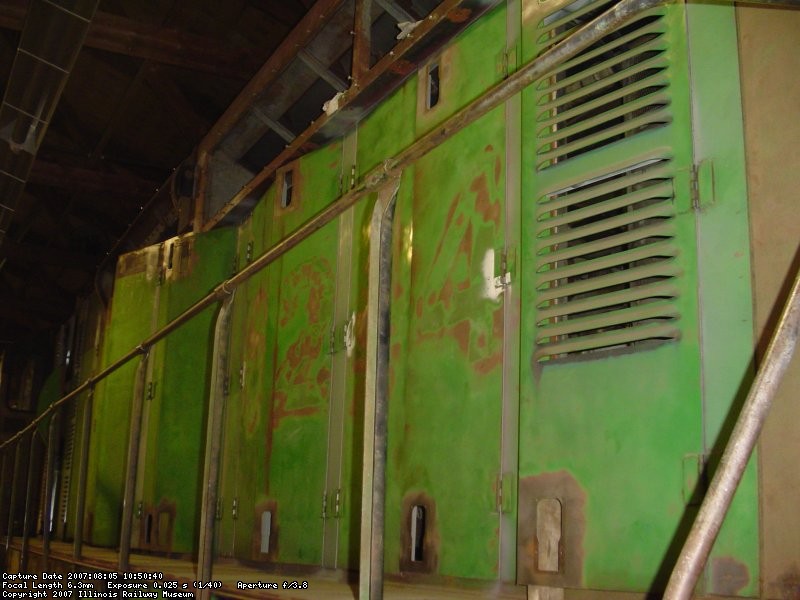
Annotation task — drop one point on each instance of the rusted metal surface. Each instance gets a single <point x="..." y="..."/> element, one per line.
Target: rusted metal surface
<point x="431" y="542"/>
<point x="300" y="36"/>
<point x="362" y="41"/>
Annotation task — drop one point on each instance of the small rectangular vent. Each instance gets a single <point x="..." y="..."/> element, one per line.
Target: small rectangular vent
<point x="606" y="263"/>
<point x="612" y="90"/>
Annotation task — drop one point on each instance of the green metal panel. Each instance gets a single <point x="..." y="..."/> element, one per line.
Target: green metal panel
<point x="726" y="312"/>
<point x="608" y="418"/>
<point x="176" y="406"/>
<point x="129" y="323"/>
<point x="282" y="332"/>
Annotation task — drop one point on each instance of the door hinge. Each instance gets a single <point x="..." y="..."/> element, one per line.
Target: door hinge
<point x="503" y="493"/>
<point x="509" y="61"/>
<point x="151" y="390"/>
<point x="249" y="256"/>
<point x="324" y="505"/>
<point x="242" y="373"/>
<point x="337" y="504"/>
<point x="502" y="281"/>
<point x="226" y="385"/>
<point x="139" y="509"/>
<point x="702" y="185"/>
<point x="235" y="264"/>
<point x="343" y="336"/>
<point x="235" y="509"/>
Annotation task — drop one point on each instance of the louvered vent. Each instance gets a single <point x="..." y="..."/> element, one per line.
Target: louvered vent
<point x="606" y="262"/>
<point x="613" y="90"/>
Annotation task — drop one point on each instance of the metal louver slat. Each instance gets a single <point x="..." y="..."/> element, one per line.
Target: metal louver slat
<point x="618" y="337"/>
<point x="660" y="191"/>
<point x="656" y="28"/>
<point x="653" y="117"/>
<point x="654" y="80"/>
<point x="553" y="84"/>
<point x="662" y="209"/>
<point x="664" y="249"/>
<point x="665" y="229"/>
<point x="658" y="63"/>
<point x="654" y="98"/>
<point x="571" y="15"/>
<point x="640" y="312"/>
<point x="664" y="288"/>
<point x="662" y="268"/>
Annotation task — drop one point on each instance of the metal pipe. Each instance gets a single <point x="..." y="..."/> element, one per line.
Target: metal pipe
<point x="13" y="499"/>
<point x="83" y="472"/>
<point x="27" y="518"/>
<point x="49" y="476"/>
<point x="391" y="168"/>
<point x="211" y="470"/>
<point x="740" y="446"/>
<point x="376" y="396"/>
<point x="132" y="464"/>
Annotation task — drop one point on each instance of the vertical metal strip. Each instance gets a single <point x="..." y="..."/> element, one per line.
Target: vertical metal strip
<point x="83" y="472"/>
<point x="373" y="498"/>
<point x="211" y="466"/>
<point x="49" y="491"/>
<point x="339" y="361"/>
<point x="27" y="519"/>
<point x="509" y="436"/>
<point x="131" y="467"/>
<point x="13" y="499"/>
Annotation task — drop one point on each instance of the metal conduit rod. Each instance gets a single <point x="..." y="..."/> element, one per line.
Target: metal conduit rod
<point x="737" y="452"/>
<point x="376" y="397"/>
<point x="132" y="464"/>
<point x="83" y="472"/>
<point x="49" y="477"/>
<point x="211" y="469"/>
<point x="494" y="97"/>
<point x="13" y="499"/>
<point x="27" y="517"/>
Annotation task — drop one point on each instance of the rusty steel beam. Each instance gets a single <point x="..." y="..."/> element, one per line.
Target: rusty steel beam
<point x="160" y="44"/>
<point x="300" y="36"/>
<point x="362" y="41"/>
<point x="448" y="19"/>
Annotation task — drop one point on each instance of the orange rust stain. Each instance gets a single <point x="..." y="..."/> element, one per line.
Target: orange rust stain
<point x="451" y="211"/>
<point x="490" y="211"/>
<point x="459" y="15"/>
<point x="489" y="148"/>
<point x="396" y="350"/>
<point x="460" y="220"/>
<point x="323" y="375"/>
<point x="419" y="307"/>
<point x="397" y="291"/>
<point x="402" y="67"/>
<point x="432" y="298"/>
<point x="466" y="244"/>
<point x="488" y="364"/>
<point x="497" y="323"/>
<point x="482" y="340"/>
<point x="461" y="331"/>
<point x="446" y="295"/>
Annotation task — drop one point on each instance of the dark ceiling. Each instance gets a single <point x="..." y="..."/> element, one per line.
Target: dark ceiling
<point x="151" y="79"/>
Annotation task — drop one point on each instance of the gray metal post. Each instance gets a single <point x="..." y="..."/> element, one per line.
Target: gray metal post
<point x="13" y="499"/>
<point x="52" y="440"/>
<point x="83" y="472"/>
<point x="376" y="397"/>
<point x="27" y="517"/>
<point x="211" y="470"/>
<point x="137" y="407"/>
<point x="708" y="522"/>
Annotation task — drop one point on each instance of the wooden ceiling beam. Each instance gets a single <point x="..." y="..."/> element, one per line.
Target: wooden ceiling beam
<point x="165" y="45"/>
<point x="51" y="256"/>
<point x="92" y="181"/>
